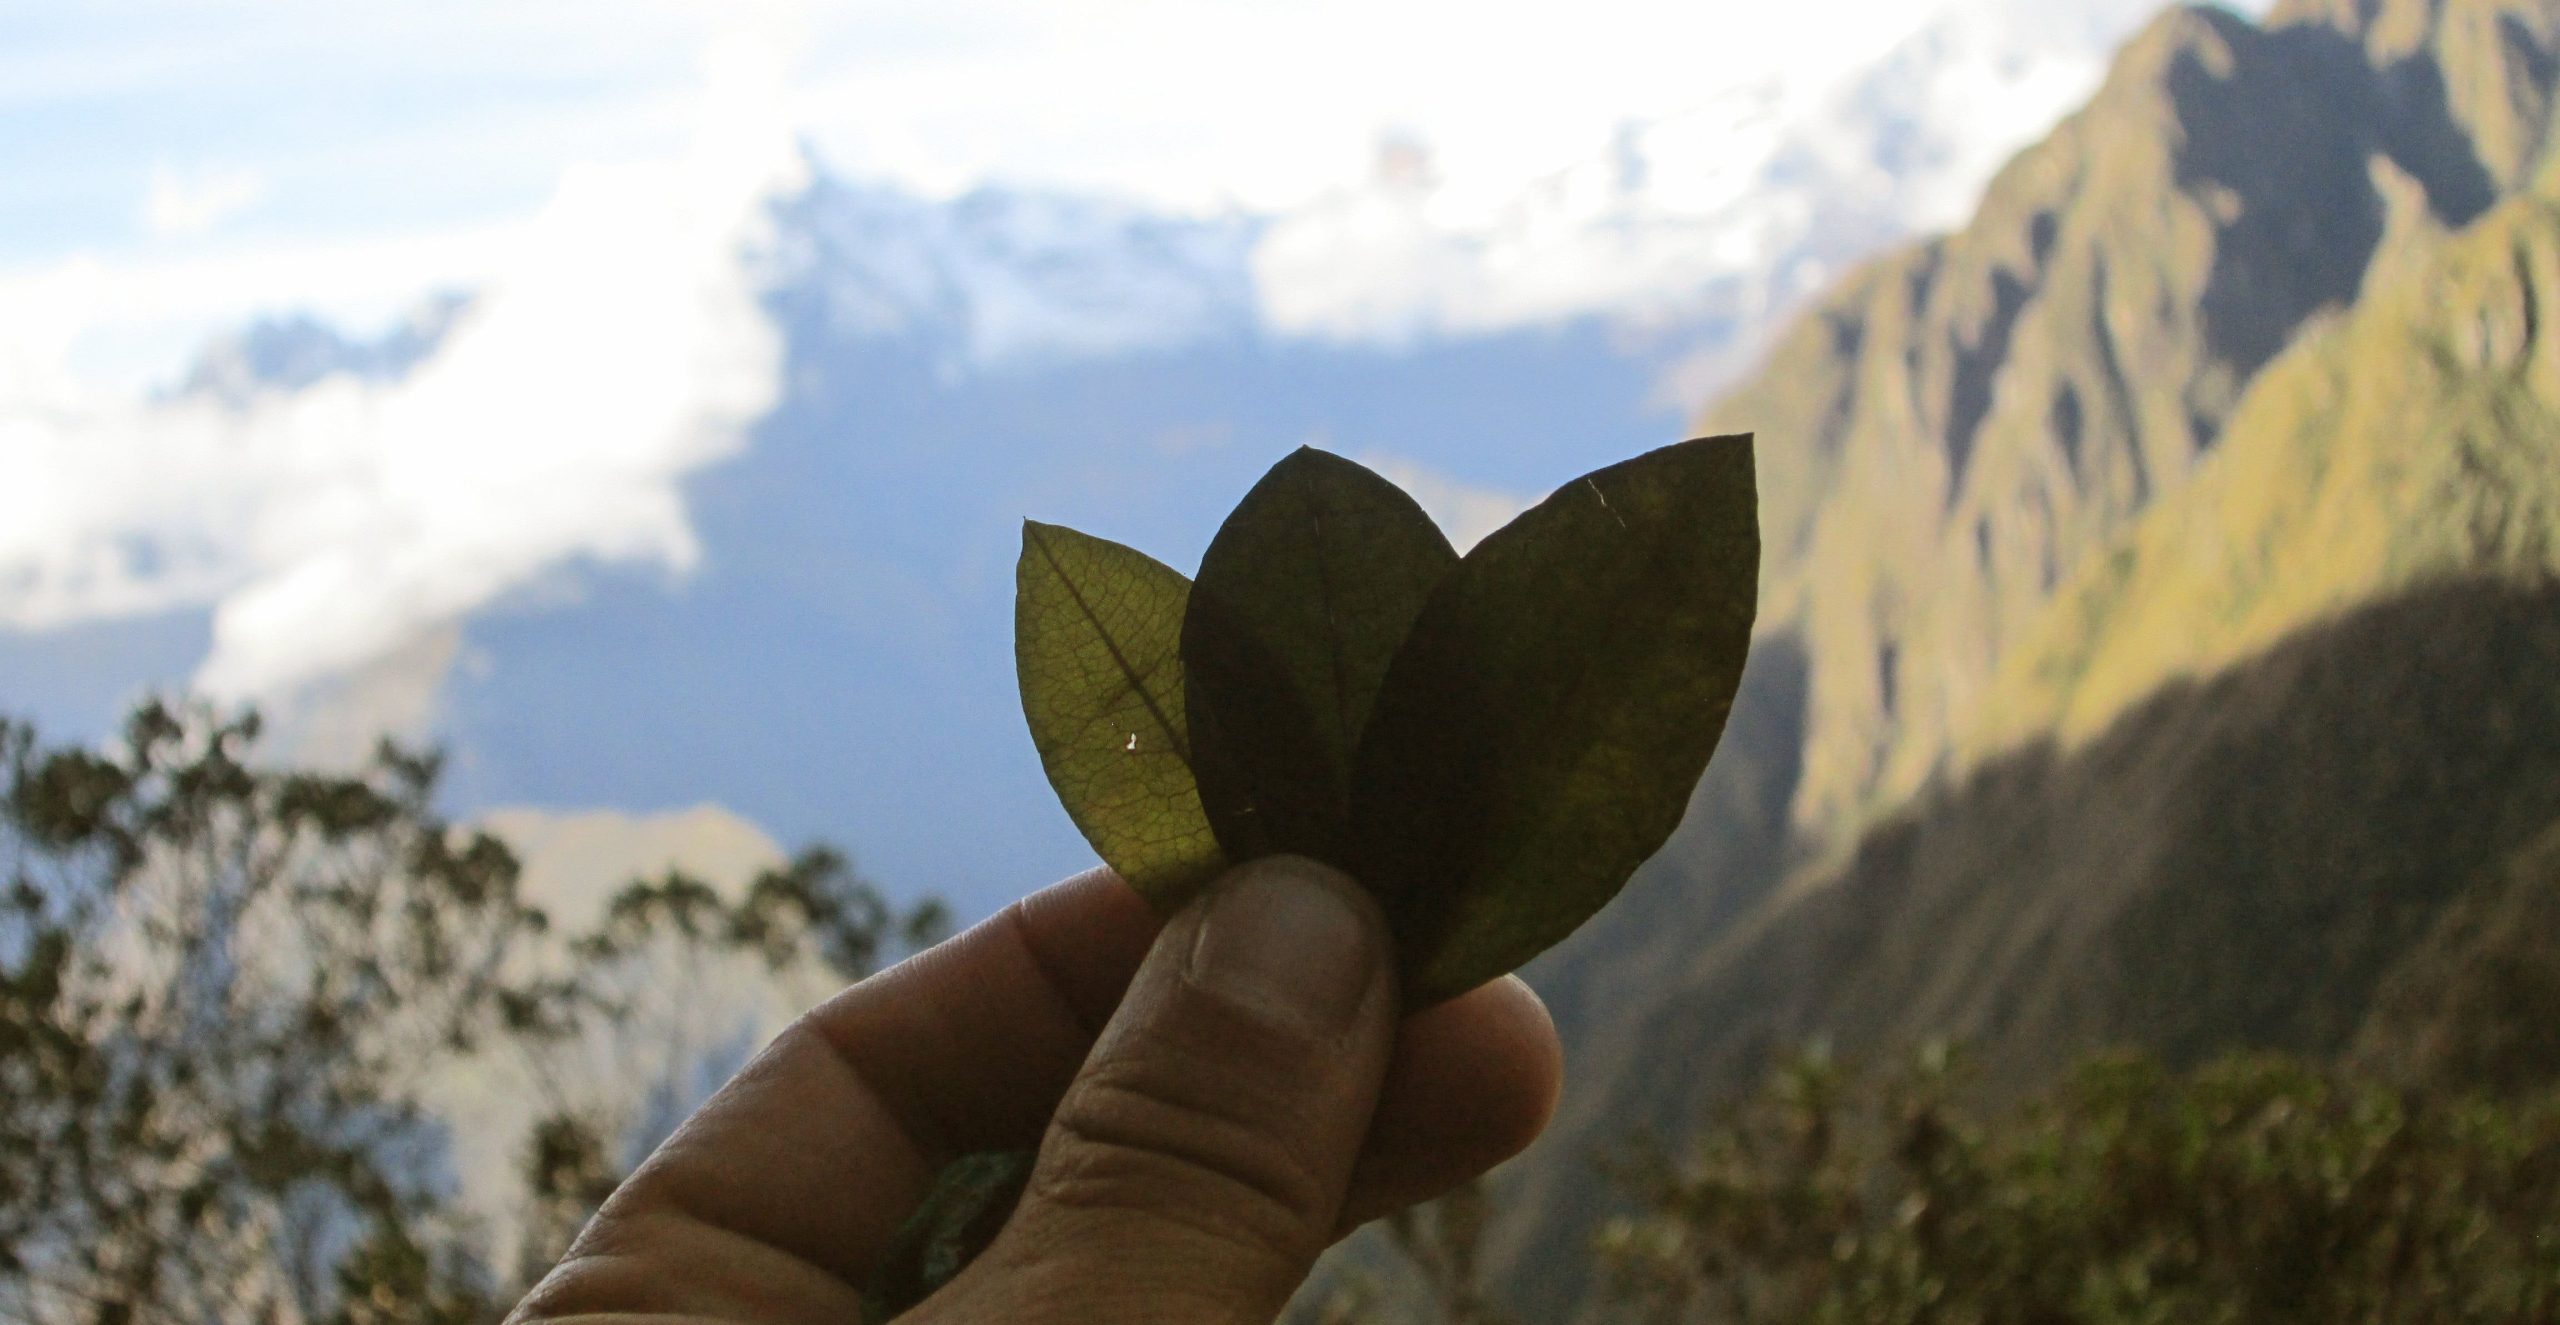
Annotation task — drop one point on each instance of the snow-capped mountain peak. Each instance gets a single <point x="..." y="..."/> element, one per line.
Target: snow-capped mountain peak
<point x="999" y="277"/>
<point x="1733" y="208"/>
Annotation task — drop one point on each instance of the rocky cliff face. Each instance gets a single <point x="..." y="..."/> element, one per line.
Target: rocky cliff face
<point x="2414" y="439"/>
<point x="1962" y="426"/>
<point x="2162" y="611"/>
<point x="2460" y="76"/>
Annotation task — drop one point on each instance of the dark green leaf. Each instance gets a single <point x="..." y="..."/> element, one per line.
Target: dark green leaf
<point x="1540" y="732"/>
<point x="1302" y="601"/>
<point x="971" y="1199"/>
<point x="1097" y="634"/>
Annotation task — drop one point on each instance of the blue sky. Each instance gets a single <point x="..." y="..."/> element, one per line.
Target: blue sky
<point x="598" y="168"/>
<point x="186" y="140"/>
<point x="347" y="118"/>
<point x="372" y="115"/>
<point x="599" y="173"/>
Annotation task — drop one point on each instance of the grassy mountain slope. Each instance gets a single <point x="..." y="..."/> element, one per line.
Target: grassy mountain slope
<point x="1731" y="852"/>
<point x="2246" y="861"/>
<point x="2175" y="548"/>
<point x="1967" y="423"/>
<point x="2477" y="1000"/>
<point x="2479" y="71"/>
<point x="2417" y="437"/>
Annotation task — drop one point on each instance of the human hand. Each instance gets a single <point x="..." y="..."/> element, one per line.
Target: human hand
<point x="1215" y="1101"/>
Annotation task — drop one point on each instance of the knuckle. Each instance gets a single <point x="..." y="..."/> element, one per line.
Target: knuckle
<point x="1155" y="1144"/>
<point x="588" y="1283"/>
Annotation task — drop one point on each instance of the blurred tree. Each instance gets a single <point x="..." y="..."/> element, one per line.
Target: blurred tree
<point x="1443" y="1241"/>
<point x="253" y="1019"/>
<point x="241" y="1007"/>
<point x="1434" y="1276"/>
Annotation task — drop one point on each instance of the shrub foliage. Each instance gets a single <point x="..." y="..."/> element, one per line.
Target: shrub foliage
<point x="245" y="1009"/>
<point x="2256" y="1189"/>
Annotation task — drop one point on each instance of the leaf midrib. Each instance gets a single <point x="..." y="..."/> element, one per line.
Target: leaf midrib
<point x="1346" y="733"/>
<point x="1654" y="568"/>
<point x="1180" y="746"/>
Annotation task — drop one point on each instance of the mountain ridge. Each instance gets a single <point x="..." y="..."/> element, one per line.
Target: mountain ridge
<point x="2395" y="444"/>
<point x="1974" y="416"/>
<point x="2310" y="829"/>
<point x="2315" y="850"/>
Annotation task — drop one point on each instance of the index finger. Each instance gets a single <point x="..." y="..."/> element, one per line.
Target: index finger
<point x="776" y="1197"/>
<point x="823" y="1144"/>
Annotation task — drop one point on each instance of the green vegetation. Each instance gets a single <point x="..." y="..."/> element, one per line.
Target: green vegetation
<point x="227" y="992"/>
<point x="2258" y="1189"/>
<point x="1097" y="642"/>
<point x="2170" y="552"/>
<point x="2409" y="440"/>
<point x="251" y="1016"/>
<point x="1304" y="598"/>
<point x="2162" y="617"/>
<point x="971" y="1201"/>
<point x="1491" y="744"/>
<point x="2338" y="849"/>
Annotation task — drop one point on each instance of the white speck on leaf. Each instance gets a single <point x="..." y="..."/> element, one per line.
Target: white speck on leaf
<point x="1132" y="746"/>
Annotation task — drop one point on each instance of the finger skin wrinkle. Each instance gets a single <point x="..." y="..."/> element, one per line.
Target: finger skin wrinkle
<point x="665" y="1265"/>
<point x="1042" y="1012"/>
<point x="703" y="1174"/>
<point x="1015" y="925"/>
<point x="1135" y="1128"/>
<point x="1131" y="1149"/>
<point x="922" y="1129"/>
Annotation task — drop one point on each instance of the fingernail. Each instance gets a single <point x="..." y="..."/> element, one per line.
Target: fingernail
<point x="1283" y="940"/>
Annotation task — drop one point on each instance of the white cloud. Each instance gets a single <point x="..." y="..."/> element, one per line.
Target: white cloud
<point x="191" y="204"/>
<point x="1734" y="205"/>
<point x="1267" y="104"/>
<point x="618" y="345"/>
<point x="1270" y="107"/>
<point x="92" y="327"/>
<point x="1464" y="512"/>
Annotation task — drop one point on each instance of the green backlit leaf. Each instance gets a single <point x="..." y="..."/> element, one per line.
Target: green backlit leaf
<point x="1540" y="732"/>
<point x="1301" y="603"/>
<point x="1097" y="633"/>
<point x="1491" y="745"/>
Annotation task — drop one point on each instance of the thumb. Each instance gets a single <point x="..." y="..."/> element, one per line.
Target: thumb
<point x="1197" y="1165"/>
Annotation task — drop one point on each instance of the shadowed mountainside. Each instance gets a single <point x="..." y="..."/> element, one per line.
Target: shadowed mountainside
<point x="1968" y="423"/>
<point x="2161" y="626"/>
<point x="2241" y="862"/>
<point x="2417" y="436"/>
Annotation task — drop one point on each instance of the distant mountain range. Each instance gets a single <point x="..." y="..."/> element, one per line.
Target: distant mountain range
<point x="2163" y="643"/>
<point x="2163" y="590"/>
<point x="2066" y="359"/>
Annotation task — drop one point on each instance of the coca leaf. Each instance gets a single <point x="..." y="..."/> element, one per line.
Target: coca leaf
<point x="1302" y="601"/>
<point x="1540" y="732"/>
<point x="1097" y="636"/>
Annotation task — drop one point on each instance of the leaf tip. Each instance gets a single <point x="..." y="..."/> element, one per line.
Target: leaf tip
<point x="1748" y="443"/>
<point x="1045" y="538"/>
